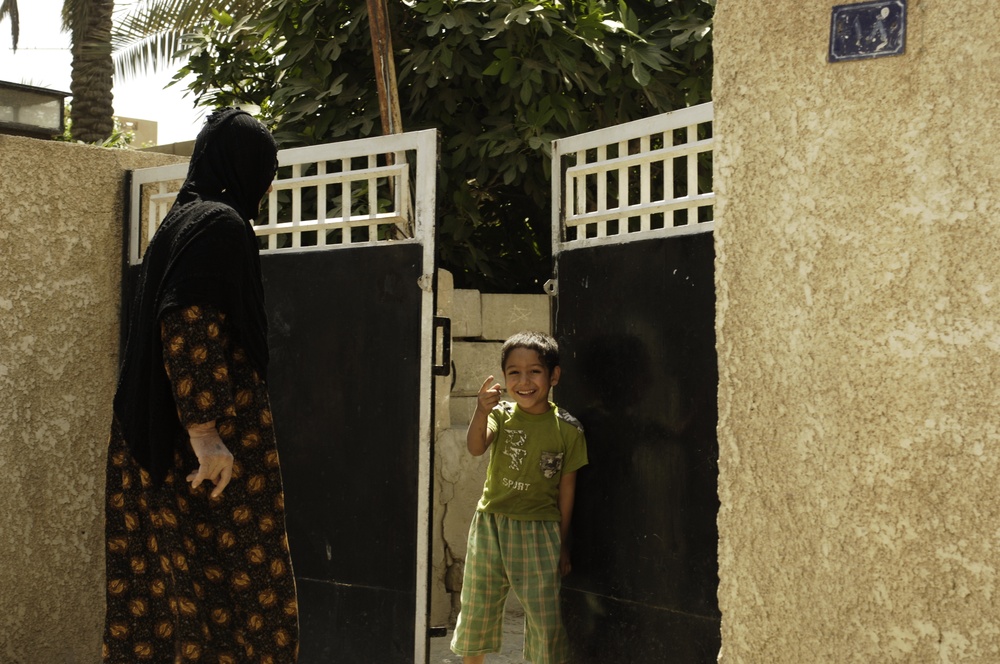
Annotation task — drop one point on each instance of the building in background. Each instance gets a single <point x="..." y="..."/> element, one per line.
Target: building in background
<point x="144" y="131"/>
<point x="27" y="110"/>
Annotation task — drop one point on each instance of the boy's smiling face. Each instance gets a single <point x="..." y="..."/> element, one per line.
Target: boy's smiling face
<point x="529" y="380"/>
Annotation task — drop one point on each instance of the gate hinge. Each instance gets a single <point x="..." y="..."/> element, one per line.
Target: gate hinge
<point x="426" y="282"/>
<point x="551" y="287"/>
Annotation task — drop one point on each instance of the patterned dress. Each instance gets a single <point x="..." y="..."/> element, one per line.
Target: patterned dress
<point x="191" y="578"/>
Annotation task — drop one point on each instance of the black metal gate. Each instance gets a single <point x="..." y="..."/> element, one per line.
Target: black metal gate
<point x="635" y="318"/>
<point x="347" y="257"/>
<point x="345" y="343"/>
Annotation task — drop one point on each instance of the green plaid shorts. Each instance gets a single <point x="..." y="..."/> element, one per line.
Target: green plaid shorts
<point x="504" y="554"/>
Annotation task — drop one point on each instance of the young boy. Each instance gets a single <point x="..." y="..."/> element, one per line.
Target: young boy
<point x="518" y="534"/>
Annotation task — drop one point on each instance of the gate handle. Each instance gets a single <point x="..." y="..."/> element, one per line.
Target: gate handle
<point x="444" y="368"/>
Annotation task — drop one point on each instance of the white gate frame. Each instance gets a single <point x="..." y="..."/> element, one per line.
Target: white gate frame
<point x="412" y="220"/>
<point x="591" y="190"/>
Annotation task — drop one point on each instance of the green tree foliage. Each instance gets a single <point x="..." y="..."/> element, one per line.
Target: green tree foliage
<point x="499" y="79"/>
<point x="121" y="138"/>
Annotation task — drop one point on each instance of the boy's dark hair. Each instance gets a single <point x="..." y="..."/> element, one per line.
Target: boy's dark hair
<point x="543" y="344"/>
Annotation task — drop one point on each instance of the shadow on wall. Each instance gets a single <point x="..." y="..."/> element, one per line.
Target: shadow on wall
<point x="642" y="378"/>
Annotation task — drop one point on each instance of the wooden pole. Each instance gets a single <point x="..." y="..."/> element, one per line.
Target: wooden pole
<point x="385" y="79"/>
<point x="385" y="67"/>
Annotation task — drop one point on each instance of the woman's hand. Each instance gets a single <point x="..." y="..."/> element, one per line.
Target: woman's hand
<point x="215" y="461"/>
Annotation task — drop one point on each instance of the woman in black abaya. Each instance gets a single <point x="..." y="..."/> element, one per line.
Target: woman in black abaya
<point x="198" y="568"/>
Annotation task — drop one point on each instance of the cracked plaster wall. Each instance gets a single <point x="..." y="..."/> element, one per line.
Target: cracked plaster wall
<point x="858" y="337"/>
<point x="61" y="210"/>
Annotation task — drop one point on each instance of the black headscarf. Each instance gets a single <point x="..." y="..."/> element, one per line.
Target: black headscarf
<point x="205" y="252"/>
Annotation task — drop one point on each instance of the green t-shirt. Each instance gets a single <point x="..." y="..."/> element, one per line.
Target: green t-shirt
<point x="528" y="456"/>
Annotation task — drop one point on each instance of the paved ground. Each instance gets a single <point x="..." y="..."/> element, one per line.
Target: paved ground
<point x="513" y="640"/>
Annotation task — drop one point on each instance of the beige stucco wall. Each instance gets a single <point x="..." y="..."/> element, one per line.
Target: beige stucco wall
<point x="858" y="337"/>
<point x="60" y="259"/>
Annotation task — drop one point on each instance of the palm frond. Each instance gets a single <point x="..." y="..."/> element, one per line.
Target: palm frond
<point x="148" y="17"/>
<point x="75" y="15"/>
<point x="148" y="54"/>
<point x="147" y="34"/>
<point x="8" y="8"/>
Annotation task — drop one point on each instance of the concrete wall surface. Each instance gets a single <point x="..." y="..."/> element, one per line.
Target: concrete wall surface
<point x="61" y="211"/>
<point x="858" y="337"/>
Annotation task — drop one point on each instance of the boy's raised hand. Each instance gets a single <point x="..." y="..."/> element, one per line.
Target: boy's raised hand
<point x="488" y="397"/>
<point x="479" y="437"/>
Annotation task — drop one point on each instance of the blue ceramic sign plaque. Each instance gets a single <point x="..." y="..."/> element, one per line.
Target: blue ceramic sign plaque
<point x="868" y="30"/>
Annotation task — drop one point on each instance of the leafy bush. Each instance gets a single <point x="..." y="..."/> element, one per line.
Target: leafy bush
<point x="121" y="137"/>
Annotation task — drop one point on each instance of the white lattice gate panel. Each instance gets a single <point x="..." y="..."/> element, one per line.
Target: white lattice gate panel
<point x="353" y="193"/>
<point x="369" y="196"/>
<point x="647" y="178"/>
